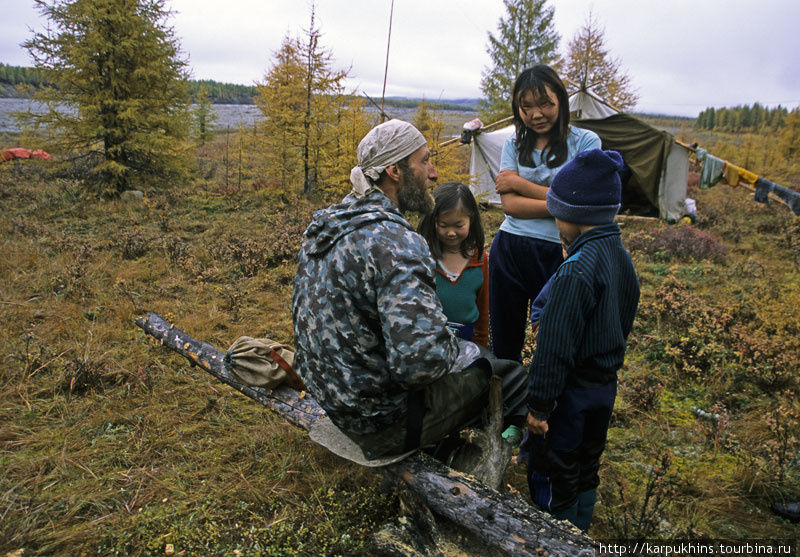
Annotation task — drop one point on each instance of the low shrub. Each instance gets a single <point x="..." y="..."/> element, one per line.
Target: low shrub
<point x="682" y="242"/>
<point x="132" y="243"/>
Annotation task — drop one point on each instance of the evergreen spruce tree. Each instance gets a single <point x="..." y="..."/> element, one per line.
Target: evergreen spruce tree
<point x="589" y="65"/>
<point x="757" y="117"/>
<point x="701" y="122"/>
<point x="525" y="37"/>
<point x="116" y="64"/>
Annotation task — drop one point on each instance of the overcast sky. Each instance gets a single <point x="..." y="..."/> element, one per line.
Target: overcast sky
<point x="682" y="55"/>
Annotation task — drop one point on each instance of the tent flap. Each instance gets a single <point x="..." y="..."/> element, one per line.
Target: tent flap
<point x="644" y="149"/>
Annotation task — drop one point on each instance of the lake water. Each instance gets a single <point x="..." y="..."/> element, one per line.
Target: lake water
<point x="7" y="109"/>
<point x="229" y="116"/>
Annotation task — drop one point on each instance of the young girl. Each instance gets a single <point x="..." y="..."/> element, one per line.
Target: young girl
<point x="527" y="249"/>
<point x="455" y="236"/>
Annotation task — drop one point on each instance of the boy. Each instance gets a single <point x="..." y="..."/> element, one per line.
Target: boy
<point x="581" y="339"/>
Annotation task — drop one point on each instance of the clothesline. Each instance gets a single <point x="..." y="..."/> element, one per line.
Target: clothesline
<point x="715" y="169"/>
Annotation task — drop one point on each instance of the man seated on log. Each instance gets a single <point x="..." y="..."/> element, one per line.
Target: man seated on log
<point x="372" y="342"/>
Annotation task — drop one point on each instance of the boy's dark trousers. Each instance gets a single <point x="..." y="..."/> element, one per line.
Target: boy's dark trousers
<point x="563" y="465"/>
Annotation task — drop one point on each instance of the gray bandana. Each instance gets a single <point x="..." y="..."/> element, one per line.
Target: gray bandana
<point x="383" y="146"/>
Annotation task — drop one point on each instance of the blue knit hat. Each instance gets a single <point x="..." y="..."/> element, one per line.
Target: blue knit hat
<point x="587" y="190"/>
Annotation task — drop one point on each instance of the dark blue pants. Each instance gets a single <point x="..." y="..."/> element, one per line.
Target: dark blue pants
<point x="518" y="269"/>
<point x="564" y="463"/>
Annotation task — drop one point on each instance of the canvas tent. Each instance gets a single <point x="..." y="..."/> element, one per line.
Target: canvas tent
<point x="659" y="165"/>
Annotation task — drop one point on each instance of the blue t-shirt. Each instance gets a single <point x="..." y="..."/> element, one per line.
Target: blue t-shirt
<point x="578" y="140"/>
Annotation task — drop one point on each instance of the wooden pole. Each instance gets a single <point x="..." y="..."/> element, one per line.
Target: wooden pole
<point x="485" y="128"/>
<point x="386" y="68"/>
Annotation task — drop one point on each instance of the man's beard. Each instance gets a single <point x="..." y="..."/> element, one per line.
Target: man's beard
<point x="414" y="195"/>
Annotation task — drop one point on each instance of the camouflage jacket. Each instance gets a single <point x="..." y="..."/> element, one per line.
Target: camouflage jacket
<point x="368" y="326"/>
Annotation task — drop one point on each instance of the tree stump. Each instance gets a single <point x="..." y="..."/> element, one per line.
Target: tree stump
<point x="486" y="455"/>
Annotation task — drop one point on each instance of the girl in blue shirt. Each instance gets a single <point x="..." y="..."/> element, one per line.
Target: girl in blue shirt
<point x="527" y="249"/>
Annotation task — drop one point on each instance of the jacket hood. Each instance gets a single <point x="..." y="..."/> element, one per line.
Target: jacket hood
<point x="331" y="224"/>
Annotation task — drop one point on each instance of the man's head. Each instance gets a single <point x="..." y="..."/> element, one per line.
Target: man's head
<point x="414" y="176"/>
<point x="587" y="191"/>
<point x="395" y="156"/>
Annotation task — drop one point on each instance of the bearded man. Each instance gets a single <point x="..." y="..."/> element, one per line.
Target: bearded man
<point x="372" y="343"/>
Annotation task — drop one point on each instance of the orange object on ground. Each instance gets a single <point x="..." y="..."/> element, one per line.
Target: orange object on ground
<point x="22" y="153"/>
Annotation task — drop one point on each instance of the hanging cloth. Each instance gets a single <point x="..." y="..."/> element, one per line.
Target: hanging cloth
<point x="790" y="197"/>
<point x="734" y="173"/>
<point x="711" y="172"/>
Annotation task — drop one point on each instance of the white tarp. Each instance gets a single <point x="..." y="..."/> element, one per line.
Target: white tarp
<point x="585" y="104"/>
<point x="485" y="163"/>
<point x="674" y="181"/>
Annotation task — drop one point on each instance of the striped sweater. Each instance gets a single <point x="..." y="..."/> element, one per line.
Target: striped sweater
<point x="585" y="324"/>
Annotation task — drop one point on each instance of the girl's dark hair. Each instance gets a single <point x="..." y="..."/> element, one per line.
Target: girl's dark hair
<point x="535" y="80"/>
<point x="449" y="197"/>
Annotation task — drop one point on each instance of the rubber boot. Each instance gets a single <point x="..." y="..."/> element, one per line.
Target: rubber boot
<point x="570" y="513"/>
<point x="789" y="511"/>
<point x="586" y="501"/>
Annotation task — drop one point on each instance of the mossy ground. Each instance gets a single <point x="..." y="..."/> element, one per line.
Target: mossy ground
<point x="111" y="444"/>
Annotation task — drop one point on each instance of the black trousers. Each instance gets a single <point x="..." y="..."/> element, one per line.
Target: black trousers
<point x="518" y="269"/>
<point x="565" y="462"/>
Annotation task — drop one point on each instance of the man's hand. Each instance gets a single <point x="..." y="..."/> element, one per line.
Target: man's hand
<point x="503" y="182"/>
<point x="537" y="427"/>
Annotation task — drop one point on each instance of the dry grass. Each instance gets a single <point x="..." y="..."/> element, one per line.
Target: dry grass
<point x="112" y="444"/>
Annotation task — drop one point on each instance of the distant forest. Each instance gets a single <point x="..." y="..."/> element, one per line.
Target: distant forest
<point x="13" y="76"/>
<point x="223" y="93"/>
<point x="18" y="81"/>
<point x="745" y="118"/>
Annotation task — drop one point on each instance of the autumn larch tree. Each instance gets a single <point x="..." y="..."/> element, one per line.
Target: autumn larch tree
<point x="525" y="37"/>
<point x="449" y="160"/>
<point x="116" y="65"/>
<point x="789" y="144"/>
<point x="589" y="65"/>
<point x="304" y="105"/>
<point x="204" y="116"/>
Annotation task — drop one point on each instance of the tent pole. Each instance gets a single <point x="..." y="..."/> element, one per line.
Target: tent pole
<point x="485" y="128"/>
<point x="386" y="68"/>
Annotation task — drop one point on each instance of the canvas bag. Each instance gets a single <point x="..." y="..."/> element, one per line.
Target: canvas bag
<point x="261" y="362"/>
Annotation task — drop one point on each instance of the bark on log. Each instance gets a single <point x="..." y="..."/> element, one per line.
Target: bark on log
<point x="490" y="462"/>
<point x="503" y="520"/>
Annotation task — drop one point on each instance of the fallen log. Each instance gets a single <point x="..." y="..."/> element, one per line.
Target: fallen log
<point x="503" y="520"/>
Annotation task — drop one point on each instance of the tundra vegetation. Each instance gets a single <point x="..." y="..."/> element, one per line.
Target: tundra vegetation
<point x="110" y="443"/>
